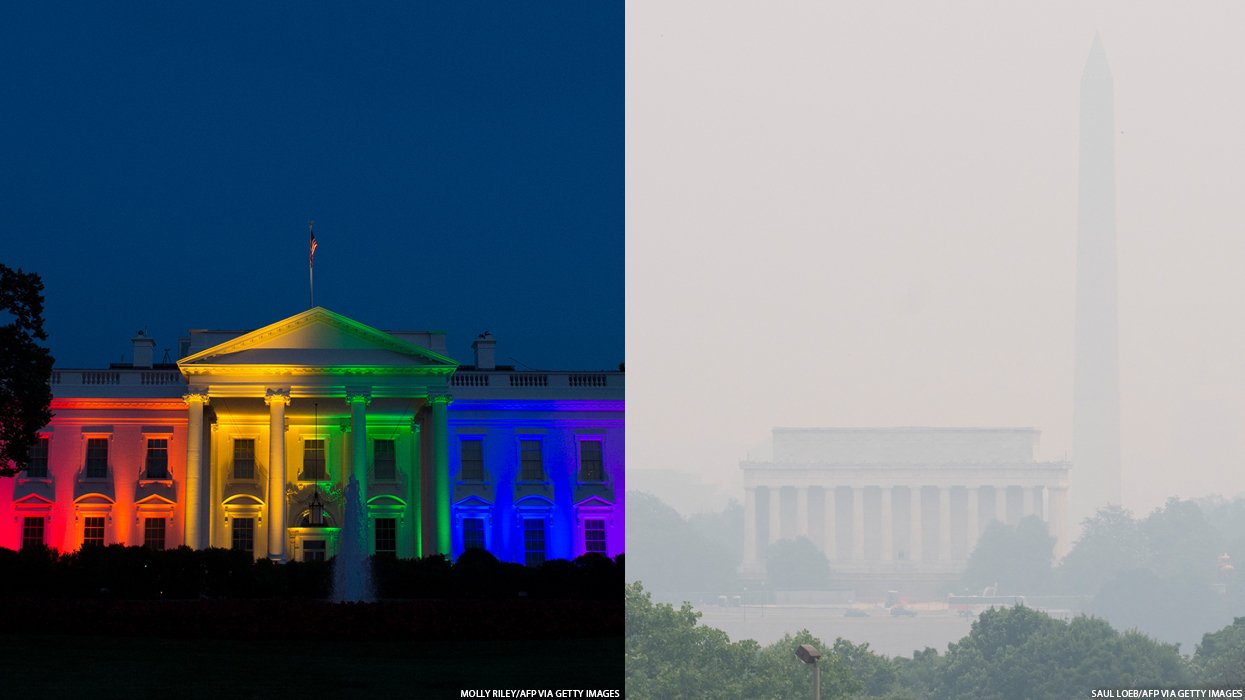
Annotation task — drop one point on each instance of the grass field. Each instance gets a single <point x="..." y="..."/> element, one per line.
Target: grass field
<point x="35" y="666"/>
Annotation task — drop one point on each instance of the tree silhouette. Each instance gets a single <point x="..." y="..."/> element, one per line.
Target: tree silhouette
<point x="25" y="368"/>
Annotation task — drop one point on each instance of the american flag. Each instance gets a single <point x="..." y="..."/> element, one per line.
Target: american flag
<point x="312" y="261"/>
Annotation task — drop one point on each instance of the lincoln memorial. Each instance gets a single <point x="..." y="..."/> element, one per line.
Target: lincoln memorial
<point x="896" y="503"/>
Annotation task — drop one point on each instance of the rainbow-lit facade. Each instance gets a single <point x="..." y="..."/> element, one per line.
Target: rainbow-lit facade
<point x="528" y="465"/>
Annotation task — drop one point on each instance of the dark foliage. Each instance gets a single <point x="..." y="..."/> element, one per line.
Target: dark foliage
<point x="136" y="573"/>
<point x="25" y="368"/>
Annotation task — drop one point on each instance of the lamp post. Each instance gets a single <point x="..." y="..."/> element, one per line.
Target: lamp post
<point x="809" y="655"/>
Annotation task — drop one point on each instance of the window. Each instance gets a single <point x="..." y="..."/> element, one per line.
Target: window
<point x="244" y="534"/>
<point x="531" y="466"/>
<point x="157" y="458"/>
<point x="534" y="541"/>
<point x="244" y="458"/>
<point x="473" y="533"/>
<point x="93" y="531"/>
<point x="472" y="453"/>
<point x="313" y="460"/>
<point x="97" y="458"/>
<point x="153" y="533"/>
<point x="384" y="460"/>
<point x="37" y="460"/>
<point x="594" y="536"/>
<point x="32" y="532"/>
<point x="314" y="550"/>
<point x="386" y="536"/>
<point x="590" y="466"/>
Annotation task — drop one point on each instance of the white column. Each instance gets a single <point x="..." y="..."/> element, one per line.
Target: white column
<point x="944" y="523"/>
<point x="831" y="524"/>
<point x="801" y="511"/>
<point x="197" y="485"/>
<point x="1038" y="508"/>
<point x="917" y="534"/>
<point x="858" y="523"/>
<point x="750" y="527"/>
<point x="277" y="400"/>
<point x="775" y="516"/>
<point x="1059" y="519"/>
<point x="888" y="533"/>
<point x="1027" y="500"/>
<point x="1000" y="504"/>
<point x="974" y="519"/>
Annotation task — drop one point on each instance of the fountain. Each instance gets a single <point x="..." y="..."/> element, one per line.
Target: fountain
<point x="352" y="572"/>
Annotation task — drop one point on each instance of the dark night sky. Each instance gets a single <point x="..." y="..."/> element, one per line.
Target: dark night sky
<point x="463" y="163"/>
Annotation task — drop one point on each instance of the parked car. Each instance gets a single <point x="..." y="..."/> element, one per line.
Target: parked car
<point x="855" y="612"/>
<point x="899" y="611"/>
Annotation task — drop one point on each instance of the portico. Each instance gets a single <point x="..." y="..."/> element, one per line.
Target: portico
<point x="324" y="399"/>
<point x="898" y="500"/>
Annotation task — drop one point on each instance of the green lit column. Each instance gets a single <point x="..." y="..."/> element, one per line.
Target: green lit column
<point x="441" y="465"/>
<point x="416" y="495"/>
<point x="359" y="401"/>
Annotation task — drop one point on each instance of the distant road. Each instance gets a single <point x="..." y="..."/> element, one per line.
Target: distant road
<point x="893" y="636"/>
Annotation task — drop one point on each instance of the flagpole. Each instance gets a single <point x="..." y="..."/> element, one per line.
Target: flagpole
<point x="311" y="266"/>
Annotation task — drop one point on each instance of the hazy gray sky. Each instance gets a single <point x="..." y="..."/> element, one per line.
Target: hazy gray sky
<point x="864" y="214"/>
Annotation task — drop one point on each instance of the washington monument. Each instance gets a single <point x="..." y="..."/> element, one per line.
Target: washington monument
<point x="1096" y="409"/>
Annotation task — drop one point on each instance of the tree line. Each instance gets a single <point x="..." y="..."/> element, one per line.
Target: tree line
<point x="1009" y="653"/>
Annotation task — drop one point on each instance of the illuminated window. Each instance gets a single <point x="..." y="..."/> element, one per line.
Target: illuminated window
<point x="243" y="534"/>
<point x="244" y="458"/>
<point x="153" y="533"/>
<point x="93" y="531"/>
<point x="473" y="533"/>
<point x="32" y="532"/>
<point x="314" y="550"/>
<point x="534" y="541"/>
<point x="385" y="462"/>
<point x="386" y="536"/>
<point x="97" y="458"/>
<point x="531" y="464"/>
<point x="157" y="458"/>
<point x="594" y="536"/>
<point x="313" y="460"/>
<point x="472" y="452"/>
<point x="590" y="466"/>
<point x="37" y="464"/>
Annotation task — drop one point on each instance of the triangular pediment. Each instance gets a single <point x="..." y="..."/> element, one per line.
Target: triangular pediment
<point x="33" y="500"/>
<point x="317" y="338"/>
<point x="473" y="502"/>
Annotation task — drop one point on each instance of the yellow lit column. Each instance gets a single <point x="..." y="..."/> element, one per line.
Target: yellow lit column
<point x="359" y="401"/>
<point x="277" y="400"/>
<point x="441" y="459"/>
<point x="197" y="485"/>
